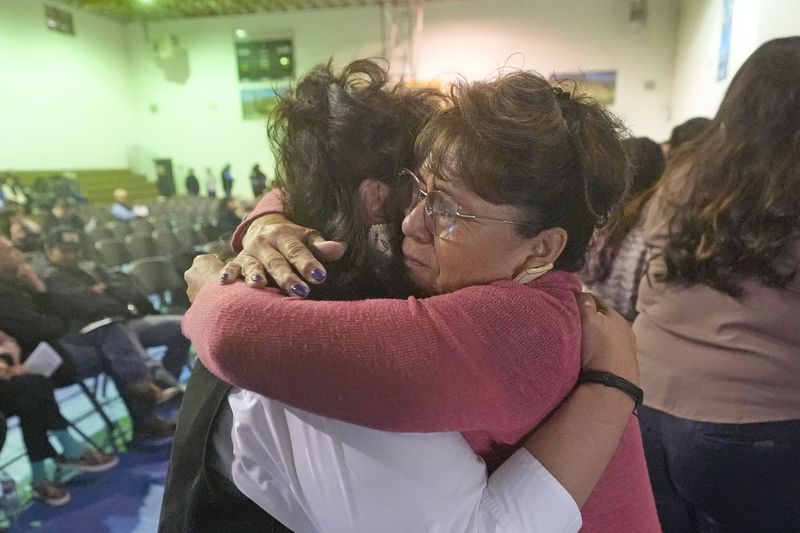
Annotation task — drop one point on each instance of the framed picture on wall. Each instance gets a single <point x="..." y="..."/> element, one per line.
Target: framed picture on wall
<point x="258" y="103"/>
<point x="600" y="84"/>
<point x="265" y="59"/>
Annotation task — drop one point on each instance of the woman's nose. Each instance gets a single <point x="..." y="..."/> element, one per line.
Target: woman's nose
<point x="414" y="223"/>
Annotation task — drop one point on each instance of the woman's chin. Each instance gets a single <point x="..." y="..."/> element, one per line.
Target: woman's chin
<point x="421" y="279"/>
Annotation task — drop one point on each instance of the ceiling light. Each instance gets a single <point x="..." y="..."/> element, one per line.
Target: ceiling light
<point x="241" y="34"/>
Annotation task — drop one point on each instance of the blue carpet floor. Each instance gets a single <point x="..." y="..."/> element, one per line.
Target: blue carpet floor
<point x="126" y="499"/>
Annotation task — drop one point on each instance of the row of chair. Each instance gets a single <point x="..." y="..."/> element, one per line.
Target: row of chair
<point x="179" y="208"/>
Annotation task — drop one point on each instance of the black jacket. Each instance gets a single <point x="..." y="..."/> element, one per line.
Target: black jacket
<point x="70" y="295"/>
<point x="25" y="316"/>
<point x="195" y="498"/>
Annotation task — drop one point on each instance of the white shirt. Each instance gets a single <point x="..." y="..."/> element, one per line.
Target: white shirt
<point x="318" y="475"/>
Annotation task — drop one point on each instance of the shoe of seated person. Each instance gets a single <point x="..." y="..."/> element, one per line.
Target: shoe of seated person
<point x="89" y="461"/>
<point x="153" y="428"/>
<point x="167" y="394"/>
<point x="50" y="493"/>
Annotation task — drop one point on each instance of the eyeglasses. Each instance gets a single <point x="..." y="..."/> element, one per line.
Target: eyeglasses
<point x="441" y="211"/>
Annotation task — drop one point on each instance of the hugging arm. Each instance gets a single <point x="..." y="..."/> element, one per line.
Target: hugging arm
<point x="397" y="365"/>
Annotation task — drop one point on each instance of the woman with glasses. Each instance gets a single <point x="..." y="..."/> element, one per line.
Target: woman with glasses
<point x="515" y="178"/>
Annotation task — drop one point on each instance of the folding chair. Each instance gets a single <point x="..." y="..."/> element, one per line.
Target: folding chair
<point x="156" y="276"/>
<point x="121" y="229"/>
<point x="166" y="241"/>
<point x="112" y="252"/>
<point x="188" y="238"/>
<point x="100" y="232"/>
<point x="141" y="225"/>
<point x="141" y="245"/>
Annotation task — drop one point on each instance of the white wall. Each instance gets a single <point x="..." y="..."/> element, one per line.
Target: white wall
<point x="199" y="123"/>
<point x="65" y="101"/>
<point x="475" y="38"/>
<point x="779" y="18"/>
<point x="696" y="91"/>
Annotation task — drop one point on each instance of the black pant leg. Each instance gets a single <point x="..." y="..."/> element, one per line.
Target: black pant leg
<point x="30" y="397"/>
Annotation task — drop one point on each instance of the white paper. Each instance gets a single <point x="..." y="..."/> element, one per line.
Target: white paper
<point x="44" y="360"/>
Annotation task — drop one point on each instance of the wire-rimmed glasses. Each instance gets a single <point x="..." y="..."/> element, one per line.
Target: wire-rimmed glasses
<point x="441" y="211"/>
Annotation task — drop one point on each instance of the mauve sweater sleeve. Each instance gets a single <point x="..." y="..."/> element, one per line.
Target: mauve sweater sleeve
<point x="483" y="358"/>
<point x="272" y="202"/>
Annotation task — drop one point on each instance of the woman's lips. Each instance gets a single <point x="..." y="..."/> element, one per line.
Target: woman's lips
<point x="410" y="261"/>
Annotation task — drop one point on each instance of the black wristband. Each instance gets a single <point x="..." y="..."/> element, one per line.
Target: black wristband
<point x="614" y="381"/>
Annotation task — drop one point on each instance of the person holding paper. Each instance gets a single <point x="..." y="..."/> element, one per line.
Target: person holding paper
<point x="30" y="397"/>
<point x="29" y="317"/>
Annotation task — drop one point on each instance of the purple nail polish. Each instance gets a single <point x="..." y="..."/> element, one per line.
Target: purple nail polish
<point x="256" y="277"/>
<point x="223" y="277"/>
<point x="300" y="290"/>
<point x="318" y="274"/>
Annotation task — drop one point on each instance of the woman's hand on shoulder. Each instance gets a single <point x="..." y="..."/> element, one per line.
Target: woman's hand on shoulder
<point x="274" y="248"/>
<point x="608" y="342"/>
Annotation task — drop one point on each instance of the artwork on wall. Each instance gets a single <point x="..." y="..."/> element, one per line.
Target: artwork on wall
<point x="424" y="84"/>
<point x="258" y="103"/>
<point x="265" y="59"/>
<point x="600" y="84"/>
<point x="725" y="40"/>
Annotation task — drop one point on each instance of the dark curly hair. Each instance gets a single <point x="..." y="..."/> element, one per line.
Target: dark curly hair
<point x="330" y="133"/>
<point x="516" y="140"/>
<point x="742" y="178"/>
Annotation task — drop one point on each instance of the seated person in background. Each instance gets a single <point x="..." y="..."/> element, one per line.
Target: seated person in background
<point x="26" y="315"/>
<point x="62" y="214"/>
<point x="11" y="190"/>
<point x="30" y="397"/>
<point x="25" y="233"/>
<point x="81" y="297"/>
<point x="229" y="215"/>
<point x="617" y="254"/>
<point x="122" y="208"/>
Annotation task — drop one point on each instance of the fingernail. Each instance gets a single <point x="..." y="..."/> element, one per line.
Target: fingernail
<point x="318" y="274"/>
<point x="256" y="277"/>
<point x="300" y="290"/>
<point x="223" y="277"/>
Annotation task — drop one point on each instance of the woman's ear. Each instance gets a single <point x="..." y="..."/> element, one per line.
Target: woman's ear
<point x="547" y="246"/>
<point x="373" y="194"/>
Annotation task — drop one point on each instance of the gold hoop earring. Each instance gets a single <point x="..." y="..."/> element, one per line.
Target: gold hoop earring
<point x="531" y="273"/>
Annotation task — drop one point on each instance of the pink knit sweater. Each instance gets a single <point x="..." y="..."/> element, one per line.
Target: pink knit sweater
<point x="488" y="361"/>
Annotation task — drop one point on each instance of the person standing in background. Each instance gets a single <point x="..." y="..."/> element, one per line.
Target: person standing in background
<point x="258" y="180"/>
<point x="165" y="183"/>
<point x="227" y="180"/>
<point x="717" y="331"/>
<point x="192" y="184"/>
<point x="617" y="253"/>
<point x="211" y="183"/>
